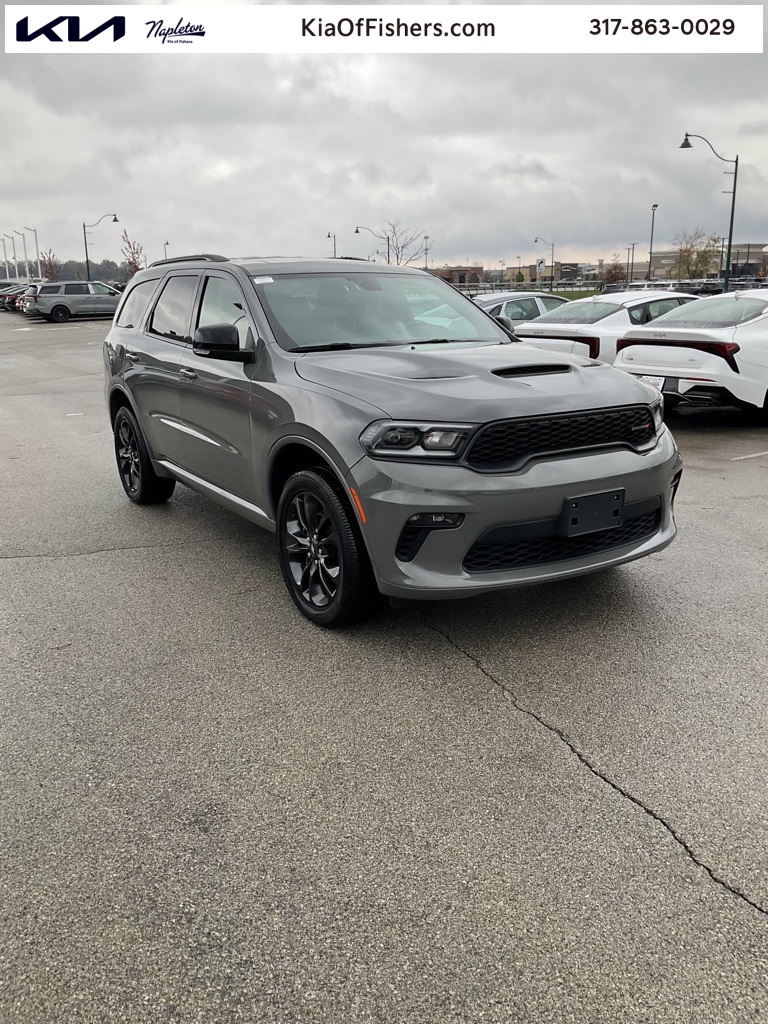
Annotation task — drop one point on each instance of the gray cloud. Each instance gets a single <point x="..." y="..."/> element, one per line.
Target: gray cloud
<point x="266" y="154"/>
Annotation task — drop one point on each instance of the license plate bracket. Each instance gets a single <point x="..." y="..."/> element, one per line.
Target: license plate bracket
<point x="588" y="513"/>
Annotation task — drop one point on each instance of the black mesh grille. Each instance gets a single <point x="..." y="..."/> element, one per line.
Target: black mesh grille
<point x="490" y="556"/>
<point x="507" y="443"/>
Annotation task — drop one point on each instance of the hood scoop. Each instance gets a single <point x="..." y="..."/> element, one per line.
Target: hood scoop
<point x="533" y="370"/>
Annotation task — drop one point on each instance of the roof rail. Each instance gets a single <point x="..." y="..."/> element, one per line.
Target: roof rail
<point x="207" y="256"/>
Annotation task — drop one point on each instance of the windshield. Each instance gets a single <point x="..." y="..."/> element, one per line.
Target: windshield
<point x="356" y="310"/>
<point x="720" y="312"/>
<point x="579" y="313"/>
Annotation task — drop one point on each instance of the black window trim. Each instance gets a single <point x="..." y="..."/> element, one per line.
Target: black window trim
<point x="186" y="341"/>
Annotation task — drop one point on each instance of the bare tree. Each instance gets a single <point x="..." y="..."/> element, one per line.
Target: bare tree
<point x="615" y="271"/>
<point x="698" y="253"/>
<point x="49" y="266"/>
<point x="133" y="253"/>
<point x="399" y="244"/>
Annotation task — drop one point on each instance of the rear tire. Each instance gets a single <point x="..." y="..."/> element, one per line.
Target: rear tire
<point x="323" y="557"/>
<point x="60" y="314"/>
<point x="140" y="482"/>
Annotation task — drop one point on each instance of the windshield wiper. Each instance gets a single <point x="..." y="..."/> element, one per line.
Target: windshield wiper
<point x="336" y="346"/>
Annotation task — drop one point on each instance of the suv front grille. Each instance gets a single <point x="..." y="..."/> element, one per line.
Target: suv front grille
<point x="523" y="545"/>
<point x="508" y="444"/>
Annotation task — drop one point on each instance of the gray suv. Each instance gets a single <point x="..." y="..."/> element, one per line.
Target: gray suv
<point x="393" y="450"/>
<point x="60" y="300"/>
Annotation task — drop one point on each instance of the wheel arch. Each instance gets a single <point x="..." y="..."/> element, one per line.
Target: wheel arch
<point x="293" y="455"/>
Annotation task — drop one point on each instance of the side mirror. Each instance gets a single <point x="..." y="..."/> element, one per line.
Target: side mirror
<point x="220" y="341"/>
<point x="509" y="327"/>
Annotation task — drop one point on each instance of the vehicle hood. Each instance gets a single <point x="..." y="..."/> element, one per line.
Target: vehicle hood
<point x="471" y="384"/>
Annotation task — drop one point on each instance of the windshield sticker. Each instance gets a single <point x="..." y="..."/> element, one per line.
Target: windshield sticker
<point x="262" y="280"/>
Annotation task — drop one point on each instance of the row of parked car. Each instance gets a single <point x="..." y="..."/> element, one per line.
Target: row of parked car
<point x="710" y="350"/>
<point x="60" y="300"/>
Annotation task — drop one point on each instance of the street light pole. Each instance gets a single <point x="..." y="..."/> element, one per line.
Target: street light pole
<point x="632" y="264"/>
<point x="85" y="240"/>
<point x="37" y="250"/>
<point x="654" y="208"/>
<point x="26" y="261"/>
<point x="15" y="261"/>
<point x="357" y="232"/>
<point x="5" y="260"/>
<point x="426" y="252"/>
<point x="552" y="247"/>
<point x="685" y="144"/>
<point x="165" y="250"/>
<point x="331" y="235"/>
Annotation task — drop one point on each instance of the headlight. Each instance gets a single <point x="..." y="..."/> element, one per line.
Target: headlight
<point x="386" y="438"/>
<point x="657" y="409"/>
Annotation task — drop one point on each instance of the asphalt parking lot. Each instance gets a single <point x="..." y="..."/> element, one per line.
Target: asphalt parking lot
<point x="548" y="805"/>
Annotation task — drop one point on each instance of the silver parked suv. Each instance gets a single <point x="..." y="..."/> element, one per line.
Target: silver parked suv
<point x="60" y="300"/>
<point x="391" y="450"/>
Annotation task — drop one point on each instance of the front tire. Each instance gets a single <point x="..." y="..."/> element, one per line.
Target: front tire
<point x="140" y="482"/>
<point x="322" y="554"/>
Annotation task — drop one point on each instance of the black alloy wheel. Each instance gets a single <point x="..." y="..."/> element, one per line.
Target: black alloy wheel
<point x="140" y="482"/>
<point x="322" y="553"/>
<point x="60" y="314"/>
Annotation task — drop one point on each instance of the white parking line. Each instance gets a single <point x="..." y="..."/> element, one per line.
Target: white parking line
<point x="740" y="458"/>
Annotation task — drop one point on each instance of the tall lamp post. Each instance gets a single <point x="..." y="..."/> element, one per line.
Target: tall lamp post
<point x="165" y="250"/>
<point x="654" y="208"/>
<point x="357" y="232"/>
<point x="333" y="236"/>
<point x="26" y="261"/>
<point x="5" y="260"/>
<point x="426" y="252"/>
<point x="37" y="250"/>
<point x="632" y="264"/>
<point x="85" y="240"/>
<point x="552" y="247"/>
<point x="15" y="261"/>
<point x="685" y="144"/>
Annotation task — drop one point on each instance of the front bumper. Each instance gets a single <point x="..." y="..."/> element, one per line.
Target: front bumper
<point x="391" y="492"/>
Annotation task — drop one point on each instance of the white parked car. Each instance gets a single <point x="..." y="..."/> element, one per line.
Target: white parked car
<point x="519" y="305"/>
<point x="590" y="327"/>
<point x="714" y="352"/>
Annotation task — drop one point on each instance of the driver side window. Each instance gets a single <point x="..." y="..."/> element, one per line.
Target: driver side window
<point x="223" y="303"/>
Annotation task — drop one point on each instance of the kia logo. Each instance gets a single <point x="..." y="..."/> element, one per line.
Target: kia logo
<point x="23" y="35"/>
<point x="659" y="335"/>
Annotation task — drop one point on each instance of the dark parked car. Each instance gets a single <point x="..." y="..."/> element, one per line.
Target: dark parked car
<point x="392" y="451"/>
<point x="9" y="297"/>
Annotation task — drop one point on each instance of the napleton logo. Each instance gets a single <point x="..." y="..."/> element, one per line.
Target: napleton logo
<point x="178" y="33"/>
<point x="23" y="35"/>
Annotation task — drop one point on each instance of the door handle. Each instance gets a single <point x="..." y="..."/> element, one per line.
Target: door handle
<point x="189" y="374"/>
<point x="133" y="356"/>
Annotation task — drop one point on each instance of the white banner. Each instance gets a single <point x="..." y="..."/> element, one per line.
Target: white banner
<point x="414" y="28"/>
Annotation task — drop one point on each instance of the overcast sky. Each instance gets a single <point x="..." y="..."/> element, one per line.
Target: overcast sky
<point x="264" y="155"/>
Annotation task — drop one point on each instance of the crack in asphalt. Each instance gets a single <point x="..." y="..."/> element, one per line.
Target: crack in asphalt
<point x="563" y="737"/>
<point x="99" y="551"/>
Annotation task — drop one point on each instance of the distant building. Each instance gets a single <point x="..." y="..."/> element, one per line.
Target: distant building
<point x="459" y="275"/>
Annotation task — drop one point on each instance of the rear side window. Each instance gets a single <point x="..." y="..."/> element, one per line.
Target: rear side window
<point x="552" y="303"/>
<point x="76" y="289"/>
<point x="50" y="289"/>
<point x="171" y="315"/>
<point x="135" y="306"/>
